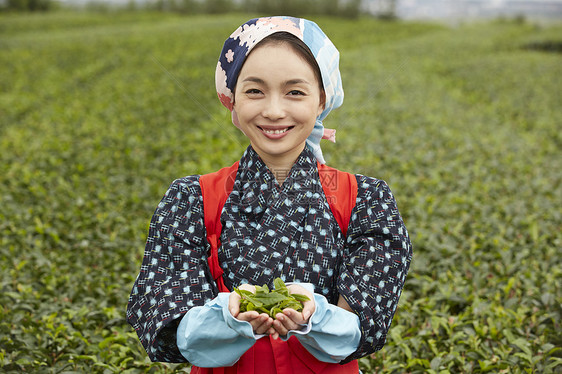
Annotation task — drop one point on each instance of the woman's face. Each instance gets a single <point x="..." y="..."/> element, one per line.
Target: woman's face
<point x="277" y="100"/>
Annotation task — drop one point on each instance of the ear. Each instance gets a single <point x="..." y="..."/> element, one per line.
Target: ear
<point x="322" y="104"/>
<point x="235" y="120"/>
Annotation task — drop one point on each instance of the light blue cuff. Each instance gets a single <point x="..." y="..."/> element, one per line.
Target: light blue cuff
<point x="332" y="333"/>
<point x="209" y="336"/>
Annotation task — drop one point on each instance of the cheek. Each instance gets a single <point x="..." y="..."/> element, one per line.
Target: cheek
<point x="246" y="110"/>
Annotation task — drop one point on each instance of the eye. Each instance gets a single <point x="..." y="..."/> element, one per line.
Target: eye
<point x="253" y="91"/>
<point x="296" y="93"/>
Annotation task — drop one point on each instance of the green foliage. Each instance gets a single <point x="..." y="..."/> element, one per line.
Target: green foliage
<point x="99" y="113"/>
<point x="270" y="302"/>
<point x="28" y="5"/>
<point x="298" y="8"/>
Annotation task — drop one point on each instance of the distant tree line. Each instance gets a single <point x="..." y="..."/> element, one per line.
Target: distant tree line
<point x="28" y="5"/>
<point x="343" y="8"/>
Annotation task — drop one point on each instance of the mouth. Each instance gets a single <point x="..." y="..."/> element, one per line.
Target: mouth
<point x="275" y="131"/>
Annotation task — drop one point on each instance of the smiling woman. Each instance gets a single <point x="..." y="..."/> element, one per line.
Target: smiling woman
<point x="279" y="212"/>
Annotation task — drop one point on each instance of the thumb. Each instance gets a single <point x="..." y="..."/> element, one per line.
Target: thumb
<point x="234" y="304"/>
<point x="308" y="309"/>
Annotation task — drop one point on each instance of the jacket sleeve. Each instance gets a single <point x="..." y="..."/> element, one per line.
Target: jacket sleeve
<point x="174" y="275"/>
<point x="209" y="336"/>
<point x="376" y="259"/>
<point x="332" y="333"/>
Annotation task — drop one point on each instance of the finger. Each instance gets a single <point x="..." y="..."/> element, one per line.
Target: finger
<point x="234" y="304"/>
<point x="292" y="321"/>
<point x="295" y="288"/>
<point x="248" y="316"/>
<point x="280" y="328"/>
<point x="234" y="299"/>
<point x="284" y="323"/>
<point x="247" y="287"/>
<point x="260" y="323"/>
<point x="295" y="317"/>
<point x="263" y="324"/>
<point x="308" y="306"/>
<point x="308" y="309"/>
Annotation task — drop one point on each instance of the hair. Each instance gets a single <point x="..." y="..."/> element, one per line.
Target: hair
<point x="299" y="47"/>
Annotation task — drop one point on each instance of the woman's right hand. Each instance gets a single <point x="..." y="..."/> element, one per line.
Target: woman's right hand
<point x="261" y="323"/>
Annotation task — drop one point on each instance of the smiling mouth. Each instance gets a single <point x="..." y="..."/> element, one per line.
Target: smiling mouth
<point x="275" y="131"/>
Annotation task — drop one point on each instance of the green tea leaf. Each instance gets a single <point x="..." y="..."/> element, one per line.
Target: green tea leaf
<point x="299" y="297"/>
<point x="270" y="302"/>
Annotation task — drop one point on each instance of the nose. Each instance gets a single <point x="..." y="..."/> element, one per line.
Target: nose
<point x="274" y="108"/>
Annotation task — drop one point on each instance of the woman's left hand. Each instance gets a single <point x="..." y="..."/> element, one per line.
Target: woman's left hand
<point x="290" y="319"/>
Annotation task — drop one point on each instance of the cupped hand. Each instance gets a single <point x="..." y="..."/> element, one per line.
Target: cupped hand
<point x="261" y="323"/>
<point x="290" y="319"/>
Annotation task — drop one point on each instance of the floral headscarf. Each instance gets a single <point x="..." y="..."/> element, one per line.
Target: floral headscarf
<point x="244" y="39"/>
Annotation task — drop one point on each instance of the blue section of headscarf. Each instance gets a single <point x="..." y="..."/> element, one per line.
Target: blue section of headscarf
<point x="241" y="42"/>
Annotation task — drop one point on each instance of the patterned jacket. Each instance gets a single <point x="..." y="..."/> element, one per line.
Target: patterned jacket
<point x="271" y="231"/>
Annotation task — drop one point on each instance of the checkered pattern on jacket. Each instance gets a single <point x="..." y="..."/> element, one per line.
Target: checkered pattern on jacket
<point x="270" y="231"/>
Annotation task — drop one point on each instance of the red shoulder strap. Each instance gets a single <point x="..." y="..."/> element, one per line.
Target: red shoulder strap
<point x="215" y="188"/>
<point x="340" y="189"/>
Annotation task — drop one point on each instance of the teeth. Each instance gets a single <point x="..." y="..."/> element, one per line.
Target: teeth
<point x="275" y="131"/>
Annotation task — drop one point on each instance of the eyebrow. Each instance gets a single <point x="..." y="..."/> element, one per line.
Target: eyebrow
<point x="289" y="82"/>
<point x="297" y="81"/>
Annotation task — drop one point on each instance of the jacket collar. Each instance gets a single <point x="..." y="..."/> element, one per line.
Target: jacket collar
<point x="253" y="171"/>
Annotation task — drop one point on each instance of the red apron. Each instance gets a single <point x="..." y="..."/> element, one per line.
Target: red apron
<point x="269" y="356"/>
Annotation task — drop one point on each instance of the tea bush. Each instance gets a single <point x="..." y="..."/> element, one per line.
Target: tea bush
<point x="99" y="113"/>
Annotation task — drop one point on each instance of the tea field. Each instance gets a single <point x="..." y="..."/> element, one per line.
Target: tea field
<point x="100" y="112"/>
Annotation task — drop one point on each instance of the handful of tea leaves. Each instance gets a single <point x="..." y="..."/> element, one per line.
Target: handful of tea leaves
<point x="270" y="302"/>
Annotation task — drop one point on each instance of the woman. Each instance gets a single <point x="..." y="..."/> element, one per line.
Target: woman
<point x="279" y="77"/>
